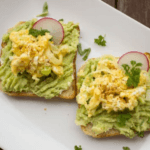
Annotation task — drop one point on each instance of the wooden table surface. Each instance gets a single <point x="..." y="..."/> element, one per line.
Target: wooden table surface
<point x="137" y="9"/>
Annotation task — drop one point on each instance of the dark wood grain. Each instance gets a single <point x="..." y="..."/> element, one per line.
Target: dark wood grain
<point x="137" y="9"/>
<point x="110" y="2"/>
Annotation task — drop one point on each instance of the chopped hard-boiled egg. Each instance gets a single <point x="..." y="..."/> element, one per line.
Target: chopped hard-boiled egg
<point x="33" y="54"/>
<point x="106" y="87"/>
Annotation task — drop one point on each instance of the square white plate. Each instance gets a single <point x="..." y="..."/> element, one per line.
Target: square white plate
<point x="24" y="122"/>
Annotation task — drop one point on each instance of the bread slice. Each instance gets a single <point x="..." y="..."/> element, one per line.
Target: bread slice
<point x="70" y="93"/>
<point x="88" y="129"/>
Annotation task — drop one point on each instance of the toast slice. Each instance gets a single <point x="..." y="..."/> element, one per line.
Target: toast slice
<point x="88" y="129"/>
<point x="70" y="93"/>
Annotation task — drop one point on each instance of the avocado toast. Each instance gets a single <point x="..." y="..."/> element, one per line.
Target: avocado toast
<point x="100" y="119"/>
<point x="25" y="83"/>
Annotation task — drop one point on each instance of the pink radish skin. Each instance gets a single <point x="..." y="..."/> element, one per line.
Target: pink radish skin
<point x="137" y="56"/>
<point x="55" y="27"/>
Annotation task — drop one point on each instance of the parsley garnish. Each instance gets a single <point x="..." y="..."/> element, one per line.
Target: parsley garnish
<point x="85" y="52"/>
<point x="35" y="32"/>
<point x="78" y="148"/>
<point x="45" y="10"/>
<point x="61" y="20"/>
<point x="140" y="134"/>
<point x="126" y="148"/>
<point x="133" y="73"/>
<point x="100" y="41"/>
<point x="122" y="118"/>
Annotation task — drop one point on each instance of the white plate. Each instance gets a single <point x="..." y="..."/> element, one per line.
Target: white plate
<point x="24" y="123"/>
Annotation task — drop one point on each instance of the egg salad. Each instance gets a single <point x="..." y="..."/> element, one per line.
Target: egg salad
<point x="105" y="99"/>
<point x="36" y="55"/>
<point x="34" y="63"/>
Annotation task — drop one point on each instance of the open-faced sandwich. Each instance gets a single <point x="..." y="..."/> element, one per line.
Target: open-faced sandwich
<point x="114" y="95"/>
<point x="38" y="59"/>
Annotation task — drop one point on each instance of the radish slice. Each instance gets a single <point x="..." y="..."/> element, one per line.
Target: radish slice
<point x="137" y="56"/>
<point x="52" y="25"/>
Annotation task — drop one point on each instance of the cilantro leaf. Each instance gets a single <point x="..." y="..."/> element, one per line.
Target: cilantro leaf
<point x="130" y="82"/>
<point x="140" y="134"/>
<point x="77" y="148"/>
<point x="122" y="118"/>
<point x="45" y="10"/>
<point x="133" y="73"/>
<point x="100" y="41"/>
<point x="85" y="52"/>
<point x="61" y="20"/>
<point x="126" y="68"/>
<point x="138" y="64"/>
<point x="126" y="148"/>
<point x="133" y="62"/>
<point x="35" y="32"/>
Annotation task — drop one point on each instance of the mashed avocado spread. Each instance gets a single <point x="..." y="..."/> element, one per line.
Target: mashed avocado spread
<point x="105" y="102"/>
<point x="47" y="86"/>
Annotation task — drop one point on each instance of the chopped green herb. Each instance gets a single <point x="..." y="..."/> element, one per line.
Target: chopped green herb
<point x="100" y="41"/>
<point x="78" y="148"/>
<point x="35" y="32"/>
<point x="45" y="10"/>
<point x="51" y="39"/>
<point x="126" y="148"/>
<point x="61" y="20"/>
<point x="85" y="52"/>
<point x="122" y="118"/>
<point x="133" y="73"/>
<point x="80" y="49"/>
<point x="140" y="134"/>
<point x="88" y="101"/>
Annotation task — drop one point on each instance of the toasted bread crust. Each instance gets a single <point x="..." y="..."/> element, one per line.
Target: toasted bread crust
<point x="67" y="94"/>
<point x="88" y="129"/>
